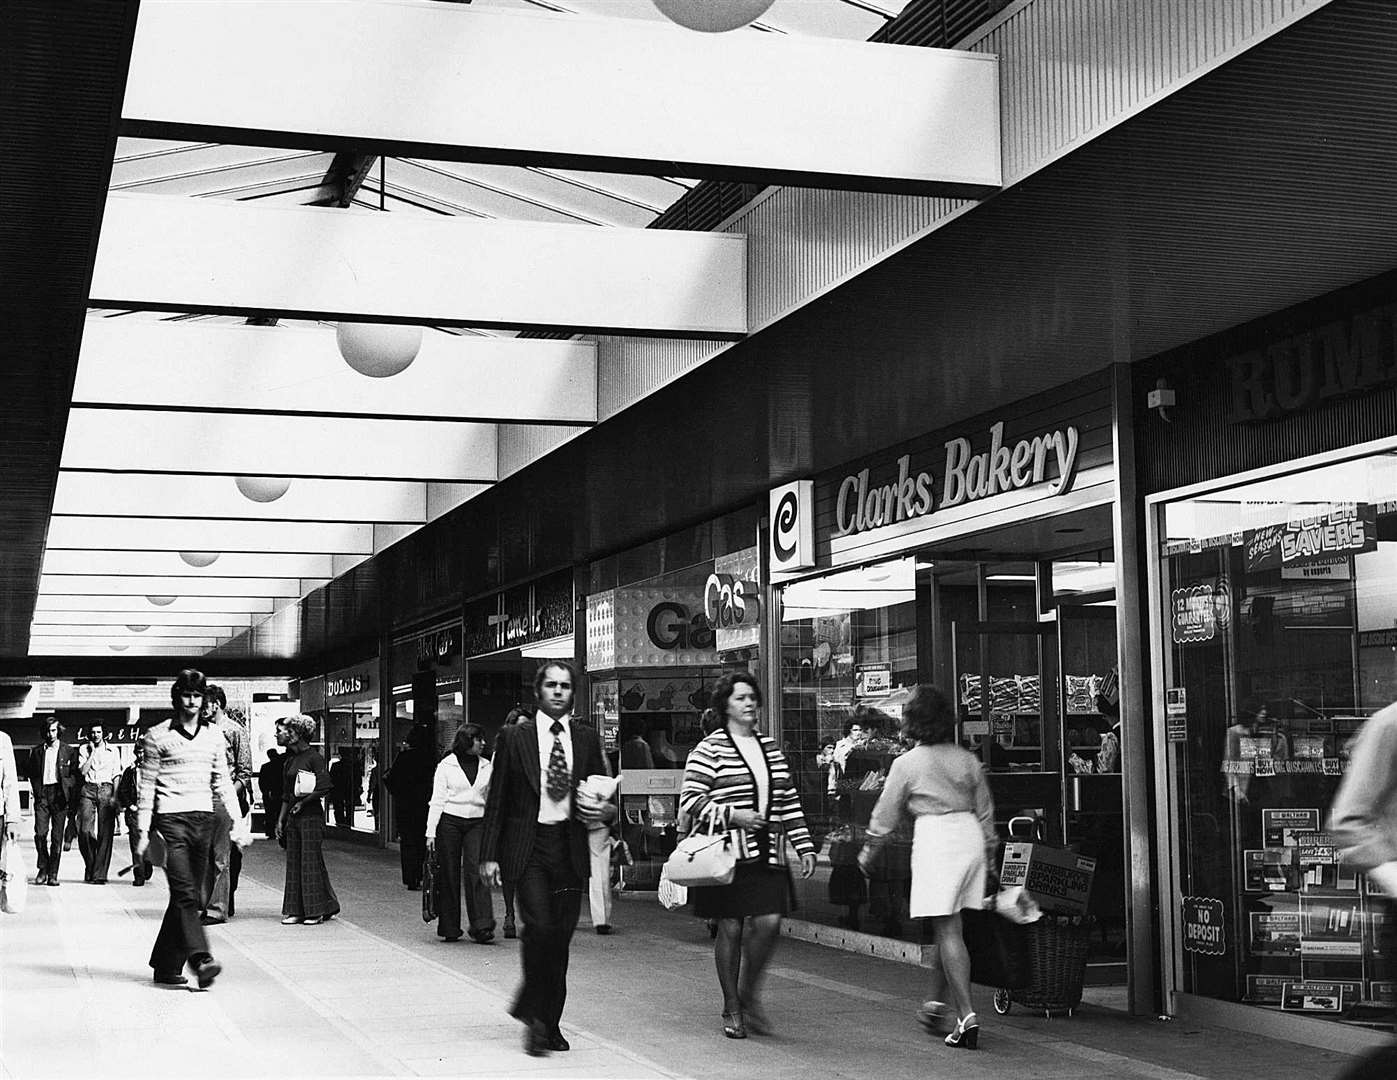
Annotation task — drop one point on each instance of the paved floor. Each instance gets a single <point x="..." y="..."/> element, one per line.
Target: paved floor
<point x="375" y="993"/>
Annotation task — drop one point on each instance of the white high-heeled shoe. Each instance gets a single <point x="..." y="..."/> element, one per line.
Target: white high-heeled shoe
<point x="966" y="1034"/>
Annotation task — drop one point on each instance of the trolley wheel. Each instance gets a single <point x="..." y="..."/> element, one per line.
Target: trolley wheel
<point x="1002" y="1002"/>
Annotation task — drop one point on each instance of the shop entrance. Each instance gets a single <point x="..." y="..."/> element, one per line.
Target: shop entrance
<point x="1038" y="702"/>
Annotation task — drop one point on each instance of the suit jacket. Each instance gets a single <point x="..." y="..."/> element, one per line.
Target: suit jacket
<point x="69" y="779"/>
<point x="511" y="811"/>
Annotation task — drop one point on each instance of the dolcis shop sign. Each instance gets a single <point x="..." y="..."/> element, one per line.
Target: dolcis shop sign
<point x="967" y="476"/>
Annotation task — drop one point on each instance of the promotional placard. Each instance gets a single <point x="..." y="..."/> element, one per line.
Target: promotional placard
<point x="1319" y="997"/>
<point x="1316" y="539"/>
<point x="1203" y="926"/>
<point x="1266" y="989"/>
<point x="1279" y="826"/>
<point x="1176" y="714"/>
<point x="1275" y="933"/>
<point x="873" y="680"/>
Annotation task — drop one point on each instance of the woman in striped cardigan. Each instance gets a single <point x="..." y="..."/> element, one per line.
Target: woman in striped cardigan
<point x="740" y="781"/>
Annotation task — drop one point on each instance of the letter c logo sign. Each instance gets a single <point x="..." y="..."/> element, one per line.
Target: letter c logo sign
<point x="783" y="526"/>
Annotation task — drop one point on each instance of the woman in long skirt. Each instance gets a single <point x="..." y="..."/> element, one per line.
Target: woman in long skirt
<point x="308" y="897"/>
<point x="942" y="787"/>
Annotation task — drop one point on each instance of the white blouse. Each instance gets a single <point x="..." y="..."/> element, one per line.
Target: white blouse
<point x="453" y="793"/>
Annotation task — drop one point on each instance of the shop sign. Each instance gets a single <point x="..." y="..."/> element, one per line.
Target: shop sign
<point x="1336" y="569"/>
<point x="1377" y="639"/>
<point x="1345" y="528"/>
<point x="792" y="510"/>
<point x="873" y="680"/>
<point x="1338" y="359"/>
<point x="1197" y="612"/>
<point x="351" y="684"/>
<point x="671" y="625"/>
<point x="732" y="600"/>
<point x="864" y="504"/>
<point x="438" y="646"/>
<point x="1203" y="926"/>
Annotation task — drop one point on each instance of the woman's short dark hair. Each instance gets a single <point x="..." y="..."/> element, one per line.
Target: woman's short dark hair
<point x="928" y="716"/>
<point x="543" y="670"/>
<point x="465" y="738"/>
<point x="724" y="688"/>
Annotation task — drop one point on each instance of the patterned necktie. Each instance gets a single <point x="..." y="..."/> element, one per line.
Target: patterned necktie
<point x="558" y="779"/>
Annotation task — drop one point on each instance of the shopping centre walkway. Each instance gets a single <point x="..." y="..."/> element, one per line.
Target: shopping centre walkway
<point x="374" y="993"/>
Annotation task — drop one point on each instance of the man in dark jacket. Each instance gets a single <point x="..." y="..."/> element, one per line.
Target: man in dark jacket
<point x="270" y="784"/>
<point x="535" y="835"/>
<point x="52" y="771"/>
<point x="409" y="781"/>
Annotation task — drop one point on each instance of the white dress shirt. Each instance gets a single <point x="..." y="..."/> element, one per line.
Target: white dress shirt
<point x="51" y="764"/>
<point x="549" y="811"/>
<point x="102" y="765"/>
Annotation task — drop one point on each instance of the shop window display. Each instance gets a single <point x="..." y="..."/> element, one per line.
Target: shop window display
<point x="848" y="660"/>
<point x="1280" y="602"/>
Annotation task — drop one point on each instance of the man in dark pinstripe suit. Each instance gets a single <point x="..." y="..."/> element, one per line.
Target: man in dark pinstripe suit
<point x="535" y="836"/>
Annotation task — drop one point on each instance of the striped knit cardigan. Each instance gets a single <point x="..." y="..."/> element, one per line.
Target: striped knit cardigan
<point x="717" y="775"/>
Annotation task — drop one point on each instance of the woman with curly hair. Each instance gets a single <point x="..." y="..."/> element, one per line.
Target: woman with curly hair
<point x="942" y="788"/>
<point x="308" y="897"/>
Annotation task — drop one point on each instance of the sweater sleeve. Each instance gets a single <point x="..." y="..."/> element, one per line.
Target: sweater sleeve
<point x="984" y="805"/>
<point x="891" y="806"/>
<point x="150" y="773"/>
<point x="224" y="797"/>
<point x="696" y="793"/>
<point x="9" y="782"/>
<point x="1361" y="817"/>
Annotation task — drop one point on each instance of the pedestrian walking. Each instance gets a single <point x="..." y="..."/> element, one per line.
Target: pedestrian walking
<point x="100" y="768"/>
<point x="308" y="897"/>
<point x="942" y="788"/>
<point x="740" y="779"/>
<point x="52" y="772"/>
<point x="410" y="782"/>
<point x="269" y="785"/>
<point x="225" y="858"/>
<point x="184" y="786"/>
<point x="536" y="837"/>
<point x="128" y="797"/>
<point x="9" y="796"/>
<point x="1363" y="820"/>
<point x="455" y="817"/>
<point x="511" y="924"/>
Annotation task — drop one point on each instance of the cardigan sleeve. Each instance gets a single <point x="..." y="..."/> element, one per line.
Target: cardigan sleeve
<point x="891" y="806"/>
<point x="438" y="800"/>
<point x="785" y="802"/>
<point x="696" y="793"/>
<point x="1364" y="814"/>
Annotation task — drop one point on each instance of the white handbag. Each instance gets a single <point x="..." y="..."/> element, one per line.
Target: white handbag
<point x="703" y="858"/>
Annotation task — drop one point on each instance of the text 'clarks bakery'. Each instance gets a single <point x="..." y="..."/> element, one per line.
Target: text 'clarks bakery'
<point x="864" y="505"/>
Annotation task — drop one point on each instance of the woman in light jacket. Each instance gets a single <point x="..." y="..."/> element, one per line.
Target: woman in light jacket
<point x="942" y="787"/>
<point x="742" y="779"/>
<point x="455" y="816"/>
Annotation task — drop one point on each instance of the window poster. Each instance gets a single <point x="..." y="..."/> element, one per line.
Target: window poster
<point x="1279" y="826"/>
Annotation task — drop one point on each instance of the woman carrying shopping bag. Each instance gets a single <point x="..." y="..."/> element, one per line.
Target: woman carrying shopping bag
<point x="942" y="788"/>
<point x="741" y="778"/>
<point x="309" y="898"/>
<point x="455" y="815"/>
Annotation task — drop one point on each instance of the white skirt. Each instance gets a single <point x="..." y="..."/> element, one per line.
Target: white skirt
<point x="948" y="864"/>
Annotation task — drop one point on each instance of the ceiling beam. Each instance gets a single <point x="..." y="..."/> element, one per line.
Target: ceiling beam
<point x="216" y="444"/>
<point x="83" y="584"/>
<point x="137" y="495"/>
<point x="613" y="95"/>
<point x="166" y="253"/>
<point x="169" y="564"/>
<point x="134" y="364"/>
<point x="92" y="533"/>
<point x="138" y="609"/>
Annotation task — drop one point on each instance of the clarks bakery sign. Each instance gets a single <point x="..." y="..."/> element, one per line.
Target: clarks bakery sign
<point x="969" y="472"/>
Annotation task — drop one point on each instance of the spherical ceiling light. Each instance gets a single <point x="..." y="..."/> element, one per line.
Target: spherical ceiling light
<point x="161" y="601"/>
<point x="378" y="350"/>
<point x="200" y="558"/>
<point x="138" y="628"/>
<point x="713" y="16"/>
<point x="263" y="489"/>
<point x="118" y="648"/>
